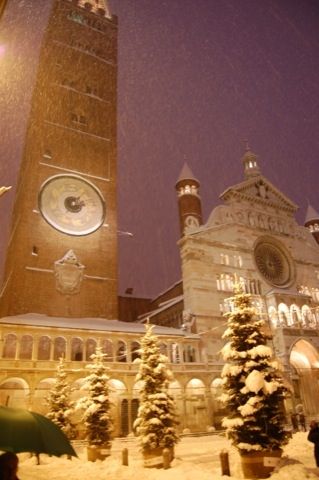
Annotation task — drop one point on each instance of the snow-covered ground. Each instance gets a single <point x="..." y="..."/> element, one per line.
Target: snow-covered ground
<point x="196" y="457"/>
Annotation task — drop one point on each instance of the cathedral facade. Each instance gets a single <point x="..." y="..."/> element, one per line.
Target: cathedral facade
<point x="254" y="240"/>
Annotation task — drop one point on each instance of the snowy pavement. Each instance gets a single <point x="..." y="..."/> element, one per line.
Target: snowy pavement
<point x="195" y="457"/>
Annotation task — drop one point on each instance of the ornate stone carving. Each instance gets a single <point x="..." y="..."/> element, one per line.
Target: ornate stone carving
<point x="69" y="274"/>
<point x="189" y="321"/>
<point x="273" y="263"/>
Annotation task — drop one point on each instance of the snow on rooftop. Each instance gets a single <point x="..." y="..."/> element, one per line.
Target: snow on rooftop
<point x="99" y="324"/>
<point x="162" y="306"/>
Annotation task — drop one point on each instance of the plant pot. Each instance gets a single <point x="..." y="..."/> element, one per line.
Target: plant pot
<point x="98" y="452"/>
<point x="154" y="458"/>
<point x="260" y="464"/>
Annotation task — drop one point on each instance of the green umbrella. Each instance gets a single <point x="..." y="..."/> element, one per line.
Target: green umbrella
<point x="24" y="431"/>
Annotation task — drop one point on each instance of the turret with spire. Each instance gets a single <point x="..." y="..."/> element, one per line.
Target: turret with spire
<point x="312" y="222"/>
<point x="189" y="202"/>
<point x="250" y="163"/>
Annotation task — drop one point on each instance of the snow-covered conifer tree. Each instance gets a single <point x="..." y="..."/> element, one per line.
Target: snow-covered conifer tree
<point x="252" y="382"/>
<point x="96" y="404"/>
<point x="60" y="406"/>
<point x="156" y="420"/>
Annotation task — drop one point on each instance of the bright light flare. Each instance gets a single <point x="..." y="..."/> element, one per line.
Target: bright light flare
<point x="2" y="50"/>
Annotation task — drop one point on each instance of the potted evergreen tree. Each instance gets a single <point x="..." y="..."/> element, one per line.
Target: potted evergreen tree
<point x="96" y="407"/>
<point x="58" y="400"/>
<point x="156" y="421"/>
<point x="253" y="391"/>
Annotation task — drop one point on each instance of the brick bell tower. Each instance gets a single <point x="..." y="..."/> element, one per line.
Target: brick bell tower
<point x="62" y="254"/>
<point x="189" y="202"/>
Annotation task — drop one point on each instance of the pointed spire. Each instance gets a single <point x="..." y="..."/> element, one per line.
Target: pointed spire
<point x="311" y="215"/>
<point x="250" y="163"/>
<point x="97" y="6"/>
<point x="186" y="174"/>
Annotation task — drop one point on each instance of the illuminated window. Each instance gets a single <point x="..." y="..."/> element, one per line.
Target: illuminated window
<point x="238" y="262"/>
<point x="224" y="259"/>
<point x="283" y="314"/>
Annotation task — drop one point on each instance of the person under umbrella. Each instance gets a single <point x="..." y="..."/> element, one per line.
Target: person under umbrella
<point x="9" y="466"/>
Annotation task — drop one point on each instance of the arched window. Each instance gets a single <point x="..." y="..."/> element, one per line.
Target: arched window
<point x="243" y="284"/>
<point x="175" y="353"/>
<point x="90" y="348"/>
<point x="189" y="354"/>
<point x="121" y="355"/>
<point x="295" y="315"/>
<point x="224" y="259"/>
<point x="238" y="261"/>
<point x="26" y="344"/>
<point x="135" y="351"/>
<point x="283" y="314"/>
<point x="59" y="348"/>
<point x="10" y="346"/>
<point x="76" y="349"/>
<point x="229" y="283"/>
<point x="107" y="349"/>
<point x="307" y="317"/>
<point x="163" y="349"/>
<point x="44" y="348"/>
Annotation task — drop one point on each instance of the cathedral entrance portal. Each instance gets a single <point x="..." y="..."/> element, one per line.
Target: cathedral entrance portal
<point x="304" y="359"/>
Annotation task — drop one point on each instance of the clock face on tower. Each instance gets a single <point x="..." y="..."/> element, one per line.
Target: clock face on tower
<point x="71" y="204"/>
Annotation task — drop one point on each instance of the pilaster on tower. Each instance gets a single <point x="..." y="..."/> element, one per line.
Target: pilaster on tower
<point x="251" y="168"/>
<point x="312" y="222"/>
<point x="189" y="202"/>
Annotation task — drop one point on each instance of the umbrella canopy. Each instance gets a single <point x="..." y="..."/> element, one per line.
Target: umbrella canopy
<point x="24" y="431"/>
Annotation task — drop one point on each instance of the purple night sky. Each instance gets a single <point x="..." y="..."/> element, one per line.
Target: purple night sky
<point x="196" y="78"/>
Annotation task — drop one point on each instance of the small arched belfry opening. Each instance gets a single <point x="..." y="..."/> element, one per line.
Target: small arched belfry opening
<point x="304" y="358"/>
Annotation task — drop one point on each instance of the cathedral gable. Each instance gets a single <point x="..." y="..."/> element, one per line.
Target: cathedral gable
<point x="259" y="189"/>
